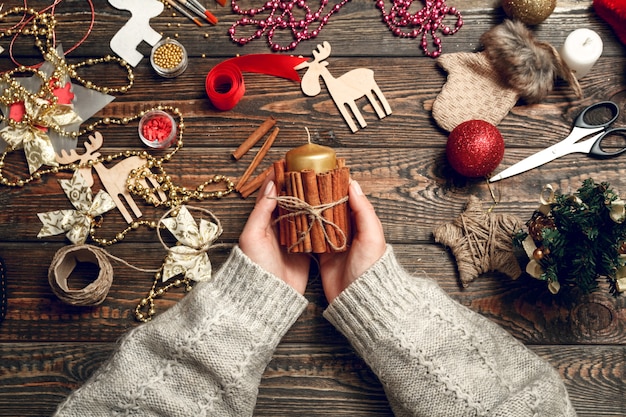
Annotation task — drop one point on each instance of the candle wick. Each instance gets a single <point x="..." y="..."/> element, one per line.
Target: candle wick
<point x="308" y="134"/>
<point x="587" y="41"/>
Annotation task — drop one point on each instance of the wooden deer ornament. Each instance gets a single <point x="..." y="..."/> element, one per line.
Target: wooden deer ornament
<point x="344" y="90"/>
<point x="114" y="178"/>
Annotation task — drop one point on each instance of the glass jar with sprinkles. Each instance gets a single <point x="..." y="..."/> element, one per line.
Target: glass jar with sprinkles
<point x="157" y="129"/>
<point x="168" y="58"/>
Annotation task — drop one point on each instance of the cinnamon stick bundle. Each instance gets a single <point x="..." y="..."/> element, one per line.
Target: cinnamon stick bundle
<point x="305" y="232"/>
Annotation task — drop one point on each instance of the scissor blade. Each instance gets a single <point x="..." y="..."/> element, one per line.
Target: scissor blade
<point x="542" y="157"/>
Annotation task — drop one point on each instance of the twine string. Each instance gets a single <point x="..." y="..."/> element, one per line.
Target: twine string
<point x="486" y="242"/>
<point x="297" y="207"/>
<point x="94" y="293"/>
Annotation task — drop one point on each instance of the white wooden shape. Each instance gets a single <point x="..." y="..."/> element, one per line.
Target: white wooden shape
<point x="137" y="29"/>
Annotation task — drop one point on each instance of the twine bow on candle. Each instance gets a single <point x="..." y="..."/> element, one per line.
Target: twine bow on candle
<point x="189" y="257"/>
<point x="297" y="207"/>
<point x="76" y="223"/>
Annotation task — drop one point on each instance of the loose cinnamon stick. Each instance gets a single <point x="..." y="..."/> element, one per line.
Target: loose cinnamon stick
<point x="325" y="188"/>
<point x="311" y="196"/>
<point x="302" y="221"/>
<point x="254" y="138"/>
<point x="257" y="159"/>
<point x="255" y="184"/>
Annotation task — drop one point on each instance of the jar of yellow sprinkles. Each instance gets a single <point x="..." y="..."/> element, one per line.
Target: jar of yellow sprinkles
<point x="169" y="58"/>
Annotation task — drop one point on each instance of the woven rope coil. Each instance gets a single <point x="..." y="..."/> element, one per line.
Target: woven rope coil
<point x="64" y="263"/>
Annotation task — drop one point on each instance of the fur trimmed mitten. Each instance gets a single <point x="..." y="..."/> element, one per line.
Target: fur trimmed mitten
<point x="486" y="85"/>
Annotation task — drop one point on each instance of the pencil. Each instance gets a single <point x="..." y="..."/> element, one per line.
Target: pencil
<point x="210" y="17"/>
<point x="184" y="12"/>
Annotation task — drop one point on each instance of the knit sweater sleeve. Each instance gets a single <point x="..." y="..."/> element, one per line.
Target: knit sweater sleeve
<point x="203" y="357"/>
<point x="436" y="357"/>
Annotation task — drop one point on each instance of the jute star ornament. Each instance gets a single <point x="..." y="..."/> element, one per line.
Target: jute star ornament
<point x="481" y="241"/>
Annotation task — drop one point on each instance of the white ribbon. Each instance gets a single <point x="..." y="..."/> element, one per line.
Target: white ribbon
<point x="76" y="223"/>
<point x="189" y="257"/>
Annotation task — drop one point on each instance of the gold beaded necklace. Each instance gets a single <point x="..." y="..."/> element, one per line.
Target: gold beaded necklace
<point x="41" y="26"/>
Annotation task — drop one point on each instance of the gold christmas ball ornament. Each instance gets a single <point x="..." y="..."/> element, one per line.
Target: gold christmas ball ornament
<point x="530" y="12"/>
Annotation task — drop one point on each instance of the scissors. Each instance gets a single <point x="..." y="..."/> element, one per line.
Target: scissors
<point x="582" y="128"/>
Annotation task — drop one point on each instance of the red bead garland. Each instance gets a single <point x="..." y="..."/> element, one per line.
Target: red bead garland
<point x="425" y="22"/>
<point x="283" y="17"/>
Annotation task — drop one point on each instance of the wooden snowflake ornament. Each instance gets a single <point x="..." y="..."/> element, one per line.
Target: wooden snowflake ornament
<point x="481" y="241"/>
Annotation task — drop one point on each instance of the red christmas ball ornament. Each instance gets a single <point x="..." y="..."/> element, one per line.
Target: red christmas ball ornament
<point x="475" y="148"/>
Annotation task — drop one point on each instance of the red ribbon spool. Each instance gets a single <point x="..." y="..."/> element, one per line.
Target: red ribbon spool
<point x="225" y="86"/>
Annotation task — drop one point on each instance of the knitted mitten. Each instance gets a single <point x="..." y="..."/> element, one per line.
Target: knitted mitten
<point x="486" y="85"/>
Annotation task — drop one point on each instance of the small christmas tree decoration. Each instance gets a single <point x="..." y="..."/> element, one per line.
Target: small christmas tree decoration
<point x="480" y="241"/>
<point x="573" y="240"/>
<point x="531" y="12"/>
<point x="475" y="148"/>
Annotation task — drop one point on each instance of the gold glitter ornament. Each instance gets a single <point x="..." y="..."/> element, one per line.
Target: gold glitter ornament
<point x="530" y="12"/>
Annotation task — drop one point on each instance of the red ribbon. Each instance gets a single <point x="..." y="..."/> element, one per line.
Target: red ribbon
<point x="224" y="83"/>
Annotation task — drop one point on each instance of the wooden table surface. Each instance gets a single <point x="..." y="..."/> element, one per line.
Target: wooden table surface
<point x="48" y="348"/>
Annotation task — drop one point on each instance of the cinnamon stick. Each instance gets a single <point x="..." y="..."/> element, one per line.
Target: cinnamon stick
<point x="255" y="184"/>
<point x="340" y="180"/>
<point x="325" y="188"/>
<point x="254" y="138"/>
<point x="302" y="223"/>
<point x="279" y="180"/>
<point x="257" y="159"/>
<point x="311" y="196"/>
<point x="291" y="222"/>
<point x="344" y="174"/>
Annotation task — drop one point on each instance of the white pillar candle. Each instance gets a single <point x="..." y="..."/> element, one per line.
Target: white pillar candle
<point x="581" y="50"/>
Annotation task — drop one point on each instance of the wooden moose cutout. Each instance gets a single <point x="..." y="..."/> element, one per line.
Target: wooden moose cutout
<point x="124" y="43"/>
<point x="344" y="90"/>
<point x="113" y="179"/>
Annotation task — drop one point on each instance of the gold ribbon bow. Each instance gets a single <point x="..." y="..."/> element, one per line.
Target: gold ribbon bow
<point x="31" y="133"/>
<point x="189" y="256"/>
<point x="76" y="223"/>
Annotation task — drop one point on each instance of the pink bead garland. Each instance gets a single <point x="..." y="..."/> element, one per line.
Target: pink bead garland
<point x="424" y="22"/>
<point x="283" y="16"/>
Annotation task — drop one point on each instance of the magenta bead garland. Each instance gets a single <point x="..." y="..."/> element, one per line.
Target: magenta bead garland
<point x="302" y="22"/>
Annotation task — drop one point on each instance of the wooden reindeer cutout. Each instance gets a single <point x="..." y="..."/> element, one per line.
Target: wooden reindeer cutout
<point x="344" y="90"/>
<point x="124" y="43"/>
<point x="113" y="179"/>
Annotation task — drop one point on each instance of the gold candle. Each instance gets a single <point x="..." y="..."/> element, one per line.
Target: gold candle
<point x="311" y="156"/>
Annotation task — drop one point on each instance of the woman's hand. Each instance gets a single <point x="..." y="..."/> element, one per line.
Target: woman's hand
<point x="339" y="270"/>
<point x="259" y="241"/>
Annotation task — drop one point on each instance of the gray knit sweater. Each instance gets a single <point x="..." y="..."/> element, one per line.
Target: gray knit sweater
<point x="205" y="356"/>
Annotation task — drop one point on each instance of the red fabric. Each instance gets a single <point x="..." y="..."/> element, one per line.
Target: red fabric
<point x="614" y="13"/>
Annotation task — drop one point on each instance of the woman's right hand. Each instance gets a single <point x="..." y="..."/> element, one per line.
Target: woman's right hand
<point x="339" y="270"/>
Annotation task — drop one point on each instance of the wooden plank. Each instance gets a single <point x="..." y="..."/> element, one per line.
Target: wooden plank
<point x="523" y="307"/>
<point x="312" y="380"/>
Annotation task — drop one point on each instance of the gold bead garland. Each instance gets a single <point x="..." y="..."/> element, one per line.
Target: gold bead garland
<point x="41" y="27"/>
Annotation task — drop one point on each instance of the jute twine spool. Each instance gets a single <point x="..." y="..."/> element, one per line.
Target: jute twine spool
<point x="66" y="260"/>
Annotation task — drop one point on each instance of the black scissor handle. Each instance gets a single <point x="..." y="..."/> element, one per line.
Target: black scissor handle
<point x="596" y="148"/>
<point x="611" y="106"/>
